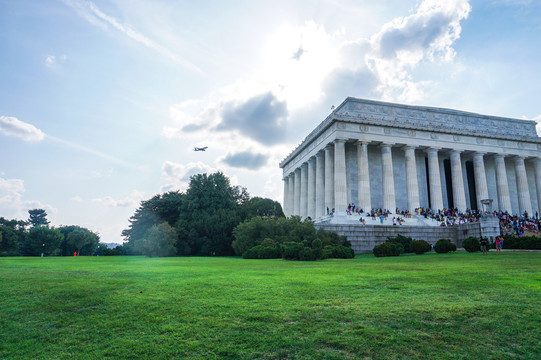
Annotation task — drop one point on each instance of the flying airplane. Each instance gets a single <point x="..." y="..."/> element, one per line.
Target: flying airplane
<point x="200" y="148"/>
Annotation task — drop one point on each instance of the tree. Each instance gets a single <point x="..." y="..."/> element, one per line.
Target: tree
<point x="78" y="239"/>
<point x="263" y="207"/>
<point x="160" y="208"/>
<point x="160" y="241"/>
<point x="38" y="217"/>
<point x="12" y="236"/>
<point x="42" y="239"/>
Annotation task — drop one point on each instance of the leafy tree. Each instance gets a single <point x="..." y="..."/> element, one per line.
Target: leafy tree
<point x="78" y="239"/>
<point x="38" y="217"/>
<point x="159" y="241"/>
<point x="160" y="208"/>
<point x="12" y="236"/>
<point x="263" y="207"/>
<point x="42" y="239"/>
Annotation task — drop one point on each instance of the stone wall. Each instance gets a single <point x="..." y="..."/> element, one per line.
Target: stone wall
<point x="364" y="237"/>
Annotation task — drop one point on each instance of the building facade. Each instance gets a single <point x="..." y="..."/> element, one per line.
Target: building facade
<point x="391" y="156"/>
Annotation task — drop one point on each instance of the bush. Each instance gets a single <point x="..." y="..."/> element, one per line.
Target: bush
<point x="338" y="252"/>
<point x="292" y="250"/>
<point x="262" y="252"/>
<point x="471" y="244"/>
<point x="403" y="240"/>
<point x="444" y="246"/>
<point x="420" y="246"/>
<point x="524" y="242"/>
<point x="386" y="249"/>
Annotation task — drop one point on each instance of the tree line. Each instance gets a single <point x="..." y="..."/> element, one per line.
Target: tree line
<point x="197" y="222"/>
<point x="35" y="237"/>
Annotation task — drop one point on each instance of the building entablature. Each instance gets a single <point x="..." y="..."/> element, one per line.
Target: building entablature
<point x="420" y="139"/>
<point x="422" y="126"/>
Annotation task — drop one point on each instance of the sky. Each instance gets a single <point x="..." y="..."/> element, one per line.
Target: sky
<point x="102" y="102"/>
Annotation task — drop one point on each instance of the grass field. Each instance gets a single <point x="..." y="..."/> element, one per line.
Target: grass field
<point x="453" y="306"/>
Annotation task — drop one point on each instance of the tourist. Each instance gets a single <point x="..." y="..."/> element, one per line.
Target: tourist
<point x="498" y="244"/>
<point x="484" y="243"/>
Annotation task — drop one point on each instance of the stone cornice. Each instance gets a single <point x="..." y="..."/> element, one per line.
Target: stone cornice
<point x="438" y="120"/>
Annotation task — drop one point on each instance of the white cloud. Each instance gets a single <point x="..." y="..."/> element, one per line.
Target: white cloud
<point x="12" y="203"/>
<point x="90" y="12"/>
<point x="77" y="199"/>
<point x="177" y="176"/>
<point x="52" y="61"/>
<point x="12" y="126"/>
<point x="426" y="35"/>
<point x="131" y="200"/>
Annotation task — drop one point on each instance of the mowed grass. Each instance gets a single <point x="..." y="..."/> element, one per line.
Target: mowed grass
<point x="453" y="306"/>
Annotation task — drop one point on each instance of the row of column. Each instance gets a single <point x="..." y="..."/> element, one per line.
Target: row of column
<point x="320" y="183"/>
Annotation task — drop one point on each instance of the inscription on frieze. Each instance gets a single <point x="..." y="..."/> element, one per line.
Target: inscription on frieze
<point x="411" y="133"/>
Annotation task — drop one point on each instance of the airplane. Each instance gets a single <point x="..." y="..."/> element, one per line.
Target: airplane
<point x="200" y="149"/>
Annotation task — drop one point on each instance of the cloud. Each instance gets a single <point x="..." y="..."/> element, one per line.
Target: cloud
<point x="52" y="61"/>
<point x="262" y="118"/>
<point x="12" y="126"/>
<point x="426" y="35"/>
<point x="129" y="201"/>
<point x="246" y="159"/>
<point x="90" y="12"/>
<point x="77" y="199"/>
<point x="12" y="204"/>
<point x="177" y="176"/>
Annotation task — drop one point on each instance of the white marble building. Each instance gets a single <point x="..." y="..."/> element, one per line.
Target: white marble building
<point x="382" y="155"/>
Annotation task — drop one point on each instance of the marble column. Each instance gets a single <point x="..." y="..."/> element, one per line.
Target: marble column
<point x="340" y="185"/>
<point x="286" y="194"/>
<point x="329" y="177"/>
<point x="436" y="197"/>
<point x="291" y="196"/>
<point x="504" y="200"/>
<point x="297" y="203"/>
<point x="389" y="201"/>
<point x="320" y="185"/>
<point x="537" y="163"/>
<point x="481" y="189"/>
<point x="524" y="202"/>
<point x="412" y="187"/>
<point x="311" y="207"/>
<point x="363" y="176"/>
<point x="304" y="191"/>
<point x="459" y="196"/>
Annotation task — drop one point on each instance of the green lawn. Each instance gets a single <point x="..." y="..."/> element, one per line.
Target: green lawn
<point x="453" y="306"/>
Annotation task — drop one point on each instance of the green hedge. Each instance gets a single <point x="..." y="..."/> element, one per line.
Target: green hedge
<point x="420" y="247"/>
<point x="444" y="246"/>
<point x="471" y="244"/>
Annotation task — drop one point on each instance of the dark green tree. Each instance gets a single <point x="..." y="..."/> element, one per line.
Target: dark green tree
<point x="78" y="239"/>
<point x="12" y="236"/>
<point x="160" y="208"/>
<point x="263" y="207"/>
<point x="42" y="239"/>
<point x="160" y="241"/>
<point x="38" y="217"/>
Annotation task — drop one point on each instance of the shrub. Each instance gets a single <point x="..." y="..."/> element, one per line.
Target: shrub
<point x="292" y="250"/>
<point x="471" y="244"/>
<point x="386" y="249"/>
<point x="444" y="246"/>
<point x="338" y="252"/>
<point x="262" y="252"/>
<point x="403" y="240"/>
<point x="524" y="242"/>
<point x="420" y="246"/>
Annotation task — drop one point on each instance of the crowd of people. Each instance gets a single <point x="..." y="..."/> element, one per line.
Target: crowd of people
<point x="513" y="225"/>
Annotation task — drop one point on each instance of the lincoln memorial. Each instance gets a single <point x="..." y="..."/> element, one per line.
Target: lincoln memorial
<point x="390" y="156"/>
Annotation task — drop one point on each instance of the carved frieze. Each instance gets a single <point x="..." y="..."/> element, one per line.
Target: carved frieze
<point x="411" y="133"/>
